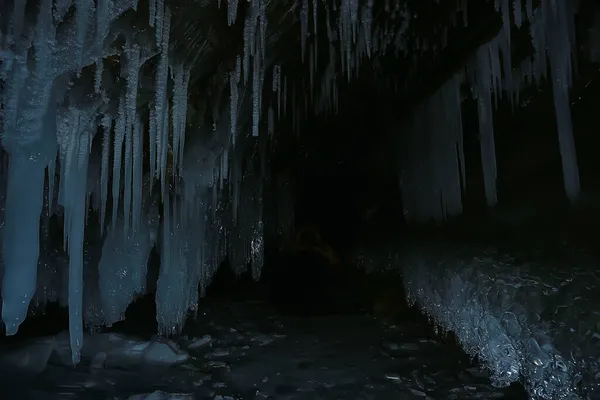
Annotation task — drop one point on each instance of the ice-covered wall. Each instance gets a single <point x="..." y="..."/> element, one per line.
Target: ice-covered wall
<point x="85" y="137"/>
<point x="432" y="164"/>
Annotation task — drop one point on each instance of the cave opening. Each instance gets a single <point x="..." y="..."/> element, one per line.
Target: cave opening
<point x="299" y="199"/>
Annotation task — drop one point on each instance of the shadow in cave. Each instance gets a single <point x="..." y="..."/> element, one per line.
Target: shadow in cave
<point x="302" y="284"/>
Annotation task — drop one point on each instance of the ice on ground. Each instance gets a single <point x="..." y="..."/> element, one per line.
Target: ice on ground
<point x="197" y="343"/>
<point x="33" y="358"/>
<point x="524" y="320"/>
<point x="107" y="350"/>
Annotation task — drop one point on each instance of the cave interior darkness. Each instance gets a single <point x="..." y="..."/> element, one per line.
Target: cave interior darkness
<point x="345" y="167"/>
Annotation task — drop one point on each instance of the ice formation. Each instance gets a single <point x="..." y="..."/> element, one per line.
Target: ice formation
<point x="99" y="105"/>
<point x="510" y="321"/>
<point x="433" y="188"/>
<point x="490" y="74"/>
<point x="74" y="90"/>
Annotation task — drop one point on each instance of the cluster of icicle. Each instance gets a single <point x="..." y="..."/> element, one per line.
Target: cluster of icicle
<point x="433" y="168"/>
<point x="432" y="160"/>
<point x="78" y="138"/>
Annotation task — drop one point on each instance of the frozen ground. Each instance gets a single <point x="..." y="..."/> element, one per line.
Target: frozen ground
<point x="526" y="320"/>
<point x="529" y="313"/>
<point x="243" y="350"/>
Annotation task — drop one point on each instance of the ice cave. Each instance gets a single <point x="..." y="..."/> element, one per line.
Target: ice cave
<point x="299" y="199"/>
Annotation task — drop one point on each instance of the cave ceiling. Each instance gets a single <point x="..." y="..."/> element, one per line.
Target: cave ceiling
<point x="413" y="47"/>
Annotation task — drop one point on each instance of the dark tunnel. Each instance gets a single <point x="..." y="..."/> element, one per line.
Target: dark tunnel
<point x="299" y="199"/>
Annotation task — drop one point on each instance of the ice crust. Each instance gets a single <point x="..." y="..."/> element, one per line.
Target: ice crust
<point x="524" y="321"/>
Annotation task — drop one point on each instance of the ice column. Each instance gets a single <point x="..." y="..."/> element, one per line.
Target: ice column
<point x="433" y="156"/>
<point x="559" y="19"/>
<point x="29" y="136"/>
<point x="486" y="123"/>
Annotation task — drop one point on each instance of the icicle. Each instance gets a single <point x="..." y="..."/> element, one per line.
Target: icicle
<point x="329" y="31"/>
<point x="253" y="16"/>
<point x="128" y="254"/>
<point x="77" y="127"/>
<point x="181" y="79"/>
<point x="294" y="110"/>
<point x="51" y="184"/>
<point x="303" y="27"/>
<point x="225" y="169"/>
<point x="165" y="145"/>
<point x="311" y="72"/>
<point x="98" y="75"/>
<point x="263" y="31"/>
<point x="29" y="136"/>
<point x="133" y="65"/>
<point x="24" y="202"/>
<point x="486" y="125"/>
<point x="353" y="6"/>
<point x="133" y="70"/>
<point x="152" y="140"/>
<point x="367" y="20"/>
<point x="102" y="16"/>
<point x="496" y="70"/>
<point x="214" y="194"/>
<point x="161" y="24"/>
<point x="566" y="142"/>
<point x="232" y="6"/>
<point x="518" y="13"/>
<point x="270" y="121"/>
<point x="221" y="169"/>
<point x="505" y="46"/>
<point x="183" y="116"/>
<point x="236" y="182"/>
<point x="256" y="94"/>
<point x="249" y="35"/>
<point x="13" y="89"/>
<point x="18" y="17"/>
<point x="83" y="9"/>
<point x="529" y="9"/>
<point x="559" y="16"/>
<point x="120" y="130"/>
<point x="457" y="114"/>
<point x="335" y="97"/>
<point x="128" y="182"/>
<point x="234" y="79"/>
<point x="138" y="154"/>
<point x="315" y="17"/>
<point x="277" y="86"/>
<point x="151" y="12"/>
<point x="161" y="111"/>
<point x="276" y="77"/>
<point x="106" y="125"/>
<point x="538" y="40"/>
<point x="102" y="25"/>
<point x="347" y="20"/>
<point x="285" y="95"/>
<point x="305" y="104"/>
<point x="163" y="288"/>
<point x="76" y="229"/>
